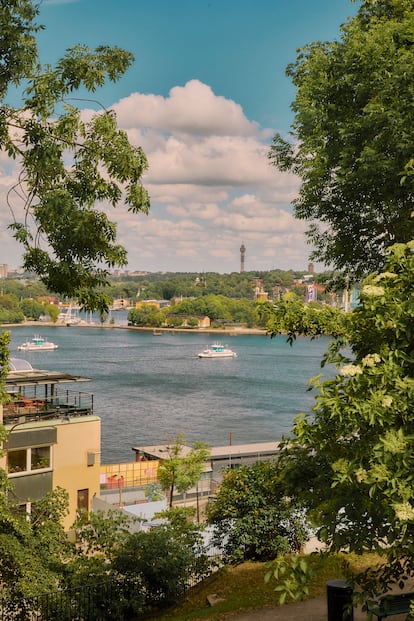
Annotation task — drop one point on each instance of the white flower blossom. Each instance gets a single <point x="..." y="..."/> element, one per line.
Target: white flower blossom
<point x="372" y="290"/>
<point x="361" y="475"/>
<point x="349" y="370"/>
<point x="384" y="275"/>
<point x="371" y="360"/>
<point x="404" y="511"/>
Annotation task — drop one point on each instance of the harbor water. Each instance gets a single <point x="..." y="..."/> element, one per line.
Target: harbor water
<point x="147" y="389"/>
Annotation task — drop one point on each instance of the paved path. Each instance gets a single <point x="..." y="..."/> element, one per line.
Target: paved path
<point x="311" y="610"/>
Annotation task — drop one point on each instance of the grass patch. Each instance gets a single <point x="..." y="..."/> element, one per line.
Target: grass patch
<point x="243" y="588"/>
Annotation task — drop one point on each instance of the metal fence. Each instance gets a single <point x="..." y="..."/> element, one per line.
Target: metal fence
<point x="114" y="599"/>
<point x="118" y="600"/>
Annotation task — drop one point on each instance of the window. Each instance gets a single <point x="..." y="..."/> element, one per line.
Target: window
<point x="83" y="499"/>
<point x="17" y="461"/>
<point x="26" y="460"/>
<point x="40" y="457"/>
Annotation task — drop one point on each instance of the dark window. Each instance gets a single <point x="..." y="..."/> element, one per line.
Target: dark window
<point x="17" y="461"/>
<point x="40" y="457"/>
<point x="83" y="499"/>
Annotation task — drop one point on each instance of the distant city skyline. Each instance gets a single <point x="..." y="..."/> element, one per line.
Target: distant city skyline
<point x="204" y="98"/>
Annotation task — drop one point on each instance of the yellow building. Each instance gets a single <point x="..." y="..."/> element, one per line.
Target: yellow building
<point x="53" y="440"/>
<point x="158" y="304"/>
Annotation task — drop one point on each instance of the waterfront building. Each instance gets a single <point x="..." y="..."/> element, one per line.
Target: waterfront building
<point x="155" y="303"/>
<point x="54" y="438"/>
<point x="220" y="459"/>
<point x="121" y="304"/>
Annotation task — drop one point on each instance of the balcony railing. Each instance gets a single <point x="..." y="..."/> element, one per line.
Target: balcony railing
<point x="62" y="404"/>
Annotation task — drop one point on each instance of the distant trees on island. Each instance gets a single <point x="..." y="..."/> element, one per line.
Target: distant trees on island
<point x="224" y="298"/>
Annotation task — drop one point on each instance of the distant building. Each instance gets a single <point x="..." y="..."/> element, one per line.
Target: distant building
<point x="277" y="293"/>
<point x="220" y="459"/>
<point x="258" y="286"/>
<point x="311" y="293"/>
<point x="260" y="294"/>
<point x="155" y="303"/>
<point x="121" y="303"/>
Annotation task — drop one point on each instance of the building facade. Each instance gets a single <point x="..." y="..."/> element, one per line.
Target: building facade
<point x="53" y="441"/>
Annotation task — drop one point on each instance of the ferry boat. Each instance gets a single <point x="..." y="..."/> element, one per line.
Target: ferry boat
<point x="217" y="350"/>
<point x="37" y="343"/>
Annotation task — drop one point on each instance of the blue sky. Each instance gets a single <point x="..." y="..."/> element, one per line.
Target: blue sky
<point x="205" y="95"/>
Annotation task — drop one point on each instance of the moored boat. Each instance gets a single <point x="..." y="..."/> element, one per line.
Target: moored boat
<point x="68" y="317"/>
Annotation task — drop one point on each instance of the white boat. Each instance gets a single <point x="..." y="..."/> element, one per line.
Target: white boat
<point x="37" y="343"/>
<point x="68" y="317"/>
<point x="217" y="350"/>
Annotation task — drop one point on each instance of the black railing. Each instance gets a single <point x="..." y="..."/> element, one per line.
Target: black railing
<point x="114" y="599"/>
<point x="118" y="600"/>
<point x="63" y="403"/>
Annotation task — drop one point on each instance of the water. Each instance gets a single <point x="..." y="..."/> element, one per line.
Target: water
<point x="147" y="388"/>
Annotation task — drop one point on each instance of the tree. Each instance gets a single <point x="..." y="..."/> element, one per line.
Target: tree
<point x="10" y="311"/>
<point x="147" y="315"/>
<point x="34" y="549"/>
<point x="351" y="461"/>
<point x="163" y="560"/>
<point x="252" y="517"/>
<point x="352" y="137"/>
<point x="52" y="310"/>
<point x="68" y="164"/>
<point x="32" y="309"/>
<point x="182" y="469"/>
<point x="292" y="316"/>
<point x="100" y="534"/>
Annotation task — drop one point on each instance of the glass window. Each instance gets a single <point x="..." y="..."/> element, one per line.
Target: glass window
<point x="17" y="460"/>
<point x="83" y="499"/>
<point x="40" y="457"/>
<point x="27" y="460"/>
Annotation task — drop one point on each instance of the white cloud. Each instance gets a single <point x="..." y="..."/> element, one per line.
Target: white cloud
<point x="208" y="165"/>
<point x="192" y="109"/>
<point x="211" y="187"/>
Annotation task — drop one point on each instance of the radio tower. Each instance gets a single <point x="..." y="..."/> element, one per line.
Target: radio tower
<point x="242" y="253"/>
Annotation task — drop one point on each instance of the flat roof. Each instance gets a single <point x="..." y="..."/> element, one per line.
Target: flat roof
<point x="161" y="451"/>
<point x="23" y="374"/>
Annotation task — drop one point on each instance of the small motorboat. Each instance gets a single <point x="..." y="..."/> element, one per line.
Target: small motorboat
<point x="217" y="350"/>
<point x="37" y="343"/>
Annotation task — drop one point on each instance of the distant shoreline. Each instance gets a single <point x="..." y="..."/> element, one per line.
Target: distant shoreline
<point x="236" y="331"/>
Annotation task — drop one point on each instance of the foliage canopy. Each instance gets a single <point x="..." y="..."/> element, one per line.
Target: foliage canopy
<point x="68" y="163"/>
<point x="182" y="469"/>
<point x="351" y="460"/>
<point x="353" y="136"/>
<point x="252" y="517"/>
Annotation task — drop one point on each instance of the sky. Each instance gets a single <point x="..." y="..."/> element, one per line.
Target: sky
<point x="204" y="97"/>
